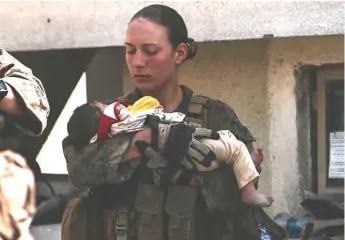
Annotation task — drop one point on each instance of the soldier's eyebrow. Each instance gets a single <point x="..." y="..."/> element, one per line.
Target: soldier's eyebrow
<point x="144" y="45"/>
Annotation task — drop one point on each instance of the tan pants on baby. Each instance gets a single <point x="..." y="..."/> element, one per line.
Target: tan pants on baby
<point x="229" y="150"/>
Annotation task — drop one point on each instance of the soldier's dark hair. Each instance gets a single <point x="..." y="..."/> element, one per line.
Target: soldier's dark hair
<point x="83" y="124"/>
<point x="173" y="22"/>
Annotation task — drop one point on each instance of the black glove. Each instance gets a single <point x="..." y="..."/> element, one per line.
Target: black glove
<point x="181" y="144"/>
<point x="176" y="141"/>
<point x="153" y="158"/>
<point x="162" y="171"/>
<point x="198" y="151"/>
<point x="165" y="173"/>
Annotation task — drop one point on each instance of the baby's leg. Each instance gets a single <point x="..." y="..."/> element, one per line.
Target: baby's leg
<point x="229" y="150"/>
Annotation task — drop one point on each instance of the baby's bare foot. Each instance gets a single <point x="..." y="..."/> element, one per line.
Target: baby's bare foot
<point x="269" y="202"/>
<point x="251" y="196"/>
<point x="257" y="199"/>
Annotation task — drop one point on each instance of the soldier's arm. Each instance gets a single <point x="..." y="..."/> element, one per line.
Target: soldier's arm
<point x="222" y="117"/>
<point x="26" y="103"/>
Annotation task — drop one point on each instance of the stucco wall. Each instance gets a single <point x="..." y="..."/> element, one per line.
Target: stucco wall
<point x="255" y="77"/>
<point x="282" y="54"/>
<point x="38" y="25"/>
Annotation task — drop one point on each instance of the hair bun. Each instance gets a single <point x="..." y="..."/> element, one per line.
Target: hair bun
<point x="192" y="48"/>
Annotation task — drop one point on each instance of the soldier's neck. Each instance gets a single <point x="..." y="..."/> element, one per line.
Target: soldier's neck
<point x="170" y="97"/>
<point x="171" y="100"/>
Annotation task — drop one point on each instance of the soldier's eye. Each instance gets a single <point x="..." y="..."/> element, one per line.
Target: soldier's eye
<point x="130" y="51"/>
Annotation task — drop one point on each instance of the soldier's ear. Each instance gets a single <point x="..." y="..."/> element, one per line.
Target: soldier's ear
<point x="181" y="53"/>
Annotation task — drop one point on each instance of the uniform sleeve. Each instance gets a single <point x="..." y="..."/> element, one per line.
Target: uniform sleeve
<point x="223" y="117"/>
<point x="31" y="91"/>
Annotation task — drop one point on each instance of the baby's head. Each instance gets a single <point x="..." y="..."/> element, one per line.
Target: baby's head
<point x="83" y="124"/>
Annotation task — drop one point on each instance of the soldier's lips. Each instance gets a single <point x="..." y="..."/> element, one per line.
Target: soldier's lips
<point x="142" y="78"/>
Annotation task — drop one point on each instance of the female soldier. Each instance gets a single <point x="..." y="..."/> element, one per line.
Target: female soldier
<point x="157" y="43"/>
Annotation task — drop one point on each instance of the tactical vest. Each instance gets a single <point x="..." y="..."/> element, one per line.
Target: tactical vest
<point x="170" y="213"/>
<point x="159" y="213"/>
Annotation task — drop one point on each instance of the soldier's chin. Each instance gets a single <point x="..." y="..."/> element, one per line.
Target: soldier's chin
<point x="146" y="87"/>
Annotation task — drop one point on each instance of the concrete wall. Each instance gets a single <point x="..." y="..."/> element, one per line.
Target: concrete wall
<point x="256" y="78"/>
<point x="282" y="55"/>
<point x="38" y="25"/>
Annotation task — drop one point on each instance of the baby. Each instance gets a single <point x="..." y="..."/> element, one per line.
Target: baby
<point x="97" y="121"/>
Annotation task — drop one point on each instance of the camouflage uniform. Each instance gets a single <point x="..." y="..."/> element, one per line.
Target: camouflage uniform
<point x="220" y="210"/>
<point x="221" y="191"/>
<point x="31" y="91"/>
<point x="18" y="207"/>
<point x="17" y="196"/>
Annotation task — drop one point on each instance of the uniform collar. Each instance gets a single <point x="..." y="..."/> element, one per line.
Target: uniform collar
<point x="183" y="106"/>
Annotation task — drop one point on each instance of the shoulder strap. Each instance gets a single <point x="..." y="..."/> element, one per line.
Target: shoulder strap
<point x="197" y="111"/>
